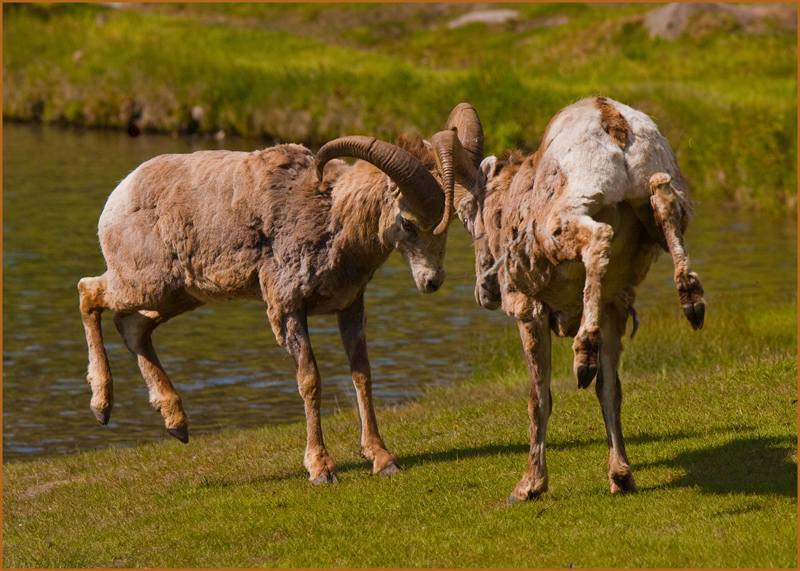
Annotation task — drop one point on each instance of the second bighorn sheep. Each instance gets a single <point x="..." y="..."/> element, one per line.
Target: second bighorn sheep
<point x="561" y="239"/>
<point x="184" y="230"/>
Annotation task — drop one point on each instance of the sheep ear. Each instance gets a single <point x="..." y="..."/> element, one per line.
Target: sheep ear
<point x="489" y="167"/>
<point x="394" y="190"/>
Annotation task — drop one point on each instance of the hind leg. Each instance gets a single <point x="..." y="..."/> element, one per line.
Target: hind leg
<point x="352" y="325"/>
<point x="136" y="328"/>
<point x="92" y="303"/>
<point x="609" y="393"/>
<point x="672" y="220"/>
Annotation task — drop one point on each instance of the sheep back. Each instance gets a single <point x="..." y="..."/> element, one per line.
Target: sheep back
<point x="212" y="222"/>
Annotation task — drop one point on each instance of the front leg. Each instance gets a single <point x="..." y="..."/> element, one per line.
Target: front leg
<point x="320" y="467"/>
<point x="352" y="326"/>
<point x="579" y="237"/>
<point x="535" y="335"/>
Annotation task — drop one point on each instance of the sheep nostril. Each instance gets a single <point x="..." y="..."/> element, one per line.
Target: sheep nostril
<point x="431" y="286"/>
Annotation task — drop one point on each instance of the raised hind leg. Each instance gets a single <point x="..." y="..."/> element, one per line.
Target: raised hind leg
<point x="352" y="324"/>
<point x="672" y="219"/>
<point x="136" y="328"/>
<point x="92" y="303"/>
<point x="579" y="237"/>
<point x="609" y="393"/>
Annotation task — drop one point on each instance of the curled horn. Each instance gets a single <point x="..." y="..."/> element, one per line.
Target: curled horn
<point x="470" y="131"/>
<point x="417" y="185"/>
<point x="459" y="152"/>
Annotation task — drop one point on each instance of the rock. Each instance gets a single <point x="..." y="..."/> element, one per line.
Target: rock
<point x="674" y="19"/>
<point x="669" y="21"/>
<point x="484" y="17"/>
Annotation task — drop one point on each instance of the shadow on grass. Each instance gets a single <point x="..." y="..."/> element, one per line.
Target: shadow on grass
<point x="744" y="465"/>
<point x="407" y="462"/>
<point x="455" y="454"/>
<point x="756" y="465"/>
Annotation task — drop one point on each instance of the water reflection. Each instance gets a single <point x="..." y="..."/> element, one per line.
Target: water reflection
<point x="223" y="359"/>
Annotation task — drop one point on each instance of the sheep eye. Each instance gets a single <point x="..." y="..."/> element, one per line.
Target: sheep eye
<point x="406" y="225"/>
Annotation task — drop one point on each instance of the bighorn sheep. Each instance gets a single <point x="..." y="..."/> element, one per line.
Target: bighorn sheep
<point x="562" y="237"/>
<point x="184" y="230"/>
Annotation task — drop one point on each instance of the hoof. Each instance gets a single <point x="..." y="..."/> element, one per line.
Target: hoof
<point x="693" y="305"/>
<point x="623" y="485"/>
<point x="181" y="434"/>
<point x="528" y="489"/>
<point x="585" y="375"/>
<point x="102" y="416"/>
<point x="390" y="470"/>
<point x="324" y="479"/>
<point x="587" y="358"/>
<point x="695" y="313"/>
<point x="516" y="499"/>
<point x="620" y="479"/>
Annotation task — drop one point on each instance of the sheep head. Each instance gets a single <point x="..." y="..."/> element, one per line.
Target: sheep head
<point x="459" y="151"/>
<point x="459" y="155"/>
<point x="482" y="218"/>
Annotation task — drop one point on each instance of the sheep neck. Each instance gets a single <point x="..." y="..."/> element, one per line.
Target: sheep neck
<point x="359" y="199"/>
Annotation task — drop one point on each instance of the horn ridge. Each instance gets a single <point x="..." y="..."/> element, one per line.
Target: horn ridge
<point x="455" y="165"/>
<point x="470" y="131"/>
<point x="419" y="188"/>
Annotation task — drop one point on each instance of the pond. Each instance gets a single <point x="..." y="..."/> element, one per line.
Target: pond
<point x="223" y="359"/>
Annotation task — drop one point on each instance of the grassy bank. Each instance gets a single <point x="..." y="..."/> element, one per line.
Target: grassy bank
<point x="711" y="426"/>
<point x="307" y="73"/>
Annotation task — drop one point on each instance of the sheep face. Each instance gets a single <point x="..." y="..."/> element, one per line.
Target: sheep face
<point x="422" y="250"/>
<point x="471" y="211"/>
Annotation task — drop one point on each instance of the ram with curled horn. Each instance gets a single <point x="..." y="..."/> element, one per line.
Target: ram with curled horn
<point x="181" y="231"/>
<point x="562" y="237"/>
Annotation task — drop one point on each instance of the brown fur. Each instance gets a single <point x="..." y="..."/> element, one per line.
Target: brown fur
<point x="184" y="230"/>
<point x="612" y="122"/>
<point x="417" y="147"/>
<point x="562" y="257"/>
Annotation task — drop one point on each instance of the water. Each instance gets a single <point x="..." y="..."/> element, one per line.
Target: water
<point x="223" y="359"/>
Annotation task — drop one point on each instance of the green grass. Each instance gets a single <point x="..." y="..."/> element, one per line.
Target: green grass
<point x="726" y="100"/>
<point x="711" y="428"/>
